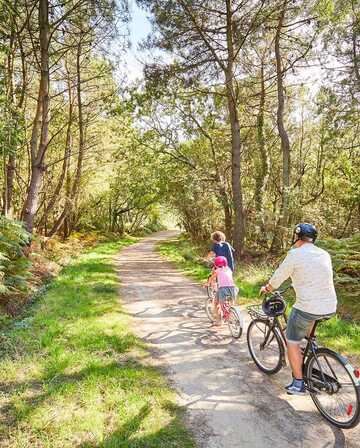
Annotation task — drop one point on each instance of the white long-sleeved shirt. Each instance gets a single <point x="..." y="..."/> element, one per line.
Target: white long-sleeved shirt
<point x="310" y="270"/>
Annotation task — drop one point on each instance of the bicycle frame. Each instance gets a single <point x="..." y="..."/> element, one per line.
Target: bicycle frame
<point x="224" y="308"/>
<point x="326" y="381"/>
<point x="275" y="323"/>
<point x="310" y="348"/>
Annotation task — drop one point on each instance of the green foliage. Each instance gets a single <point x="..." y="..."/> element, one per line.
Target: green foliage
<point x="186" y="256"/>
<point x="14" y="265"/>
<point x="74" y="374"/>
<point x="345" y="254"/>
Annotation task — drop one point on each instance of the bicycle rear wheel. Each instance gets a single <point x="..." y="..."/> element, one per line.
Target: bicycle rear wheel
<point x="211" y="291"/>
<point x="210" y="309"/>
<point x="333" y="389"/>
<point x="234" y="324"/>
<point x="265" y="346"/>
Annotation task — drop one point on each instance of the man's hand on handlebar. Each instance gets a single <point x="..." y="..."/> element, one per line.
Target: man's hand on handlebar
<point x="266" y="289"/>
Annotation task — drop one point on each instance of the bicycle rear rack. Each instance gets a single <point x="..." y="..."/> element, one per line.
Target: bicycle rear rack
<point x="256" y="312"/>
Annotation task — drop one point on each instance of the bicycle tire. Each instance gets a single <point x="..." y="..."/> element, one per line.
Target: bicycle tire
<point x="312" y="374"/>
<point x="209" y="309"/>
<point x="276" y="351"/>
<point x="211" y="292"/>
<point x="234" y="324"/>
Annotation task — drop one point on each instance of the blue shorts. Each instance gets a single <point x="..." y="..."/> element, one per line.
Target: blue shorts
<point x="226" y="291"/>
<point x="300" y="323"/>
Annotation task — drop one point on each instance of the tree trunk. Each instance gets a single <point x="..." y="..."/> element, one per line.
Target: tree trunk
<point x="9" y="185"/>
<point x="10" y="163"/>
<point x="65" y="219"/>
<point x="78" y="173"/>
<point x="66" y="161"/>
<point x="227" y="211"/>
<point x="76" y="184"/>
<point x="264" y="168"/>
<point x="238" y="233"/>
<point x="354" y="38"/>
<point x="239" y="225"/>
<point x="285" y="143"/>
<point x="41" y="121"/>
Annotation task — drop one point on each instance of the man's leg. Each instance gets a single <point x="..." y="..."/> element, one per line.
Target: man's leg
<point x="295" y="359"/>
<point x="295" y="354"/>
<point x="297" y="329"/>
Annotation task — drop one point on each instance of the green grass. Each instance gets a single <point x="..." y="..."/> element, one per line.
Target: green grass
<point x="341" y="333"/>
<point x="74" y="375"/>
<point x="190" y="259"/>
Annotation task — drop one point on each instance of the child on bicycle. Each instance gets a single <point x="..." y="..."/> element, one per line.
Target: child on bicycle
<point x="226" y="285"/>
<point x="221" y="248"/>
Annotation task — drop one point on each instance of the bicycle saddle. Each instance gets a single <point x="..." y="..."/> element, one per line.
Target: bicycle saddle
<point x="323" y="319"/>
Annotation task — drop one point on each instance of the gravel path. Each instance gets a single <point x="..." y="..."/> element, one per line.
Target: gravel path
<point x="230" y="403"/>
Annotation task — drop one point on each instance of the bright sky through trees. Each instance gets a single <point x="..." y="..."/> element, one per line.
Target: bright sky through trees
<point x="139" y="28"/>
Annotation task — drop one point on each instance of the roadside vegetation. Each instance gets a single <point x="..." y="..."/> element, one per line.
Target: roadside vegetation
<point x="342" y="332"/>
<point x="73" y="373"/>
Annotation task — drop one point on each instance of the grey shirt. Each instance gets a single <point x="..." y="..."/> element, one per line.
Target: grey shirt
<point x="310" y="270"/>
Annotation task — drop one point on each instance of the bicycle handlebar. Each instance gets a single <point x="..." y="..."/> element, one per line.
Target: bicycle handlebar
<point x="278" y="291"/>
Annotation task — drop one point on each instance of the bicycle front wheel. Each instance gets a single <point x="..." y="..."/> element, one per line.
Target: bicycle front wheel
<point x="265" y="346"/>
<point x="210" y="309"/>
<point x="234" y="324"/>
<point x="333" y="388"/>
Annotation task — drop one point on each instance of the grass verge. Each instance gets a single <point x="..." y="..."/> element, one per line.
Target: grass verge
<point x="342" y="333"/>
<point x="74" y="375"/>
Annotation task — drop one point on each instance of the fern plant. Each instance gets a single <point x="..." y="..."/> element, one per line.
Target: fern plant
<point x="14" y="265"/>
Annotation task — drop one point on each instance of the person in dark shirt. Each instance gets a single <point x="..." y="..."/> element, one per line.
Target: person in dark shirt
<point x="221" y="248"/>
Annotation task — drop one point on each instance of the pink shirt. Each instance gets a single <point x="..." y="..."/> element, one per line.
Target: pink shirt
<point x="224" y="277"/>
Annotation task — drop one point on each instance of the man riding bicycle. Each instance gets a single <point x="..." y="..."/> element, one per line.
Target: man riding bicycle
<point x="310" y="270"/>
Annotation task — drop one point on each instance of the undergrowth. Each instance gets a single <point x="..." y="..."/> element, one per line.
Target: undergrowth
<point x="28" y="263"/>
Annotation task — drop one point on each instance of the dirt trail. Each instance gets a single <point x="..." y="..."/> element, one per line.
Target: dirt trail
<point x="230" y="403"/>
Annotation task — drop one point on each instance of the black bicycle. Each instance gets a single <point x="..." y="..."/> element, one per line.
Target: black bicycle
<point x="333" y="384"/>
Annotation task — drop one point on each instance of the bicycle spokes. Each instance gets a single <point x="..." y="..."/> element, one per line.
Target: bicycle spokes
<point x="265" y="346"/>
<point x="332" y="388"/>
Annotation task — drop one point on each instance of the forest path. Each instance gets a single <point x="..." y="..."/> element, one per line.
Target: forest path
<point x="229" y="402"/>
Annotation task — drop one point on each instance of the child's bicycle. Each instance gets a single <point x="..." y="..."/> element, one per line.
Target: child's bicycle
<point x="333" y="384"/>
<point x="229" y="313"/>
<point x="211" y="287"/>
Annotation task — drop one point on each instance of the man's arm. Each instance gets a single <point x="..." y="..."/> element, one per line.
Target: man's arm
<point x="282" y="273"/>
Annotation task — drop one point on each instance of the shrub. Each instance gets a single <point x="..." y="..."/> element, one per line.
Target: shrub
<point x="14" y="265"/>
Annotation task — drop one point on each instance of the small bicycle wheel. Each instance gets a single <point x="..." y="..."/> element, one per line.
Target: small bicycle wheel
<point x="265" y="346"/>
<point x="210" y="309"/>
<point x="333" y="389"/>
<point x="234" y="324"/>
<point x="211" y="291"/>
